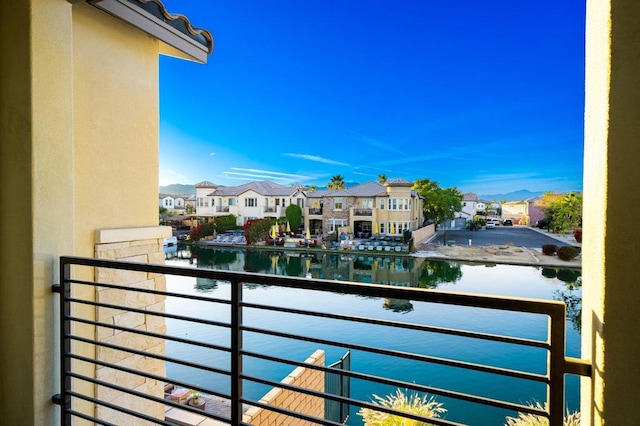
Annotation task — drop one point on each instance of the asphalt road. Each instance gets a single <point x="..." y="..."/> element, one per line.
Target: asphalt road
<point x="519" y="236"/>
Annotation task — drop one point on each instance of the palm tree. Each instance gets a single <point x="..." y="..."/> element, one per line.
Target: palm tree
<point x="336" y="182"/>
<point x="312" y="188"/>
<point x="382" y="178"/>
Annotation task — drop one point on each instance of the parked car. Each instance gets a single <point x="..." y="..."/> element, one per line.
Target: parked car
<point x="490" y="225"/>
<point x="543" y="223"/>
<point x="507" y="222"/>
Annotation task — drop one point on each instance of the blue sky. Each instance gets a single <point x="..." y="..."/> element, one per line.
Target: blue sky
<point x="484" y="95"/>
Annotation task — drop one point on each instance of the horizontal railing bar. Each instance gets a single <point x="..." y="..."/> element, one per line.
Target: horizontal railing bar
<point x="148" y="375"/>
<point x="519" y="304"/>
<point x="295" y="414"/>
<point x="405" y="325"/>
<point x="362" y="404"/>
<point x="407" y="355"/>
<point x="140" y="395"/>
<point x="578" y="367"/>
<point x="145" y="312"/>
<point x="118" y="408"/>
<point x="150" y="291"/>
<point x="147" y="354"/>
<point x="408" y="385"/>
<point x="147" y="333"/>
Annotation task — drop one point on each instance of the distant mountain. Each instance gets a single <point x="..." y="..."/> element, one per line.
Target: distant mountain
<point x="522" y="194"/>
<point x="178" y="189"/>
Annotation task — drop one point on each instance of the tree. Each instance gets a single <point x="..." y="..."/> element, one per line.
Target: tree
<point x="382" y="178"/>
<point x="313" y="188"/>
<point x="294" y="216"/>
<point x="440" y="204"/>
<point x="563" y="212"/>
<point x="336" y="182"/>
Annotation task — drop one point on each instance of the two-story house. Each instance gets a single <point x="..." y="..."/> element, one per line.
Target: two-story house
<point x="253" y="200"/>
<point x="366" y="210"/>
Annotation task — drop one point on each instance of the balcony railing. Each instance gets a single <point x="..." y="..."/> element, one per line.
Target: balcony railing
<point x="236" y="314"/>
<point x="222" y="209"/>
<point x="363" y="212"/>
<point x="315" y="212"/>
<point x="270" y="209"/>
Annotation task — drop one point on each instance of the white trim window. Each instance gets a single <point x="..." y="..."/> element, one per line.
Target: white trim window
<point x="338" y="204"/>
<point x="251" y="202"/>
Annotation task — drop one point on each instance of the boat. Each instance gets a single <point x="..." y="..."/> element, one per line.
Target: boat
<point x="170" y="241"/>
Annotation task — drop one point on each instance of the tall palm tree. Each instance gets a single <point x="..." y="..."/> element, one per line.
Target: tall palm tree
<point x="336" y="182"/>
<point x="382" y="178"/>
<point x="312" y="188"/>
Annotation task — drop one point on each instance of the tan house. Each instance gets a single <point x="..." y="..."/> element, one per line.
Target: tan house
<point x="366" y="210"/>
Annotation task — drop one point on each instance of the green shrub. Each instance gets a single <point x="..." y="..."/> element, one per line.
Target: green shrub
<point x="225" y="223"/>
<point x="413" y="403"/>
<point x="567" y="252"/>
<point x="549" y="249"/>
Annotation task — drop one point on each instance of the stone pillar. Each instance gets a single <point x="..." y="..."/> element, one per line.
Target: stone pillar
<point x="143" y="245"/>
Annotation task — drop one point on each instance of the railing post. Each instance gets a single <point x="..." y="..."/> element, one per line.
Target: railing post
<point x="236" y="347"/>
<point x="65" y="342"/>
<point x="556" y="365"/>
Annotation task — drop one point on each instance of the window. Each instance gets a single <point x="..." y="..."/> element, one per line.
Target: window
<point x="213" y="202"/>
<point x="277" y="201"/>
<point x="250" y="202"/>
<point x="232" y="201"/>
<point x="300" y="202"/>
<point x="382" y="227"/>
<point x="367" y="204"/>
<point x="337" y="204"/>
<point x="334" y="224"/>
<point x="382" y="204"/>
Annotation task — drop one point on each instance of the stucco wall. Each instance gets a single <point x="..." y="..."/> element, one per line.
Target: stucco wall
<point x="610" y="249"/>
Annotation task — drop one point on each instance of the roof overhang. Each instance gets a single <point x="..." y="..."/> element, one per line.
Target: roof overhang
<point x="151" y="17"/>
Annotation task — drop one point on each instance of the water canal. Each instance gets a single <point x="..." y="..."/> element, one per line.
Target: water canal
<point x="506" y="280"/>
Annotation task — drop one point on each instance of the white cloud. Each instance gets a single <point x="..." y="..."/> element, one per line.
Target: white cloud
<point x="316" y="159"/>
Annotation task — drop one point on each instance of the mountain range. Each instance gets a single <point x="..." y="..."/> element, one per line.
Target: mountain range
<point x="523" y="194"/>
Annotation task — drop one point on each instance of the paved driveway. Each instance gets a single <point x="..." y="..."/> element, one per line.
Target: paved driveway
<point x="519" y="236"/>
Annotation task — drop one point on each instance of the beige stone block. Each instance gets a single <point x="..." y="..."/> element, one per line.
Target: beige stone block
<point x="156" y="257"/>
<point x="121" y="277"/>
<point x="117" y="235"/>
<point x="126" y="340"/>
<point x="183" y="417"/>
<point x="129" y="298"/>
<point x="104" y="332"/>
<point x="129" y="319"/>
<point x="106" y="314"/>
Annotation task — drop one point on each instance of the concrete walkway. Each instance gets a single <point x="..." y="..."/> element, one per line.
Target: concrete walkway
<point x="503" y="254"/>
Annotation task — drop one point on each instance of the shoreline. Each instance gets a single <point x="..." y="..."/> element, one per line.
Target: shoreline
<point x="489" y="254"/>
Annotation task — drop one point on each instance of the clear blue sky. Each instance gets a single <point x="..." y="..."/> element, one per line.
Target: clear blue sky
<point x="484" y="95"/>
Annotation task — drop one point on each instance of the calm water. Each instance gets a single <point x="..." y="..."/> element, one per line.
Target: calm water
<point x="487" y="279"/>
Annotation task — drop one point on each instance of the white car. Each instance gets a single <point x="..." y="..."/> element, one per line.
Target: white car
<point x="491" y="225"/>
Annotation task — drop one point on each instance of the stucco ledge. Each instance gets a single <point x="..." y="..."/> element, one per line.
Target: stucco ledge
<point x="119" y="235"/>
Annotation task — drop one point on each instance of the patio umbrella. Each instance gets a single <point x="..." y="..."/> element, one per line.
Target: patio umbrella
<point x="273" y="231"/>
<point x="375" y="229"/>
<point x="308" y="236"/>
<point x="393" y="228"/>
<point x="288" y="227"/>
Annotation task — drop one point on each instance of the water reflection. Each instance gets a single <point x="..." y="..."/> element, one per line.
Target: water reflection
<point x="571" y="294"/>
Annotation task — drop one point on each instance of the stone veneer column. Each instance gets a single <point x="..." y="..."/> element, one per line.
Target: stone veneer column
<point x="135" y="245"/>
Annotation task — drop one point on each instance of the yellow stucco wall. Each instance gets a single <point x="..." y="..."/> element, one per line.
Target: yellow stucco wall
<point x="78" y="152"/>
<point x="611" y="294"/>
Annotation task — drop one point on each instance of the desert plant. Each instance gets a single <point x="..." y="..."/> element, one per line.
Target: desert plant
<point x="549" y="249"/>
<point x="567" y="252"/>
<point x="414" y="403"/>
<point x="525" y="419"/>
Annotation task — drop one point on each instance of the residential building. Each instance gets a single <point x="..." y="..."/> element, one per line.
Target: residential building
<point x="79" y="119"/>
<point x="524" y="212"/>
<point x="171" y="202"/>
<point x="365" y="210"/>
<point x="254" y="200"/>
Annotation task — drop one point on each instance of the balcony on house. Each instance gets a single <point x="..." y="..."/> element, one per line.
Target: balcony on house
<point x="363" y="212"/>
<point x="134" y="366"/>
<point x="222" y="209"/>
<point x="315" y="211"/>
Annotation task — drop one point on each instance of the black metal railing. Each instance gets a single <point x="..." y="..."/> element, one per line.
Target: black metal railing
<point x="237" y="313"/>
<point x="363" y="212"/>
<point x="222" y="209"/>
<point x="315" y="211"/>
